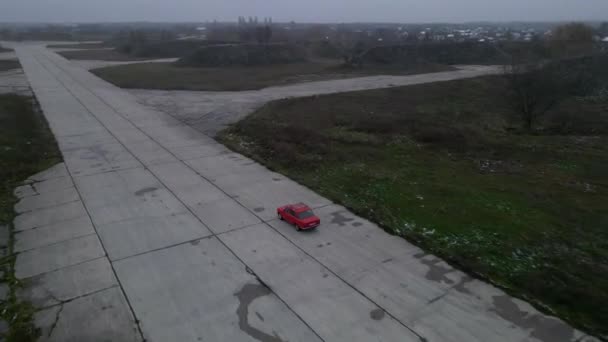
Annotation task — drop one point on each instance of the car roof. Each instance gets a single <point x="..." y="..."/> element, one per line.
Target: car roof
<point x="300" y="207"/>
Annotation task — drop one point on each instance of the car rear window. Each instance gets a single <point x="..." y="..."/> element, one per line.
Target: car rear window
<point x="305" y="214"/>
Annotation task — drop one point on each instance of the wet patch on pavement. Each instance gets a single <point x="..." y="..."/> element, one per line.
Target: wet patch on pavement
<point x="145" y="190"/>
<point x="436" y="271"/>
<point x="246" y="296"/>
<point x="460" y="286"/>
<point x="377" y="314"/>
<point x="339" y="218"/>
<point x="542" y="328"/>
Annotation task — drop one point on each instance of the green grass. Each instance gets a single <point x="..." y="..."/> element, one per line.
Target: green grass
<point x="445" y="166"/>
<point x="26" y="147"/>
<point x="169" y="76"/>
<point x="9" y="64"/>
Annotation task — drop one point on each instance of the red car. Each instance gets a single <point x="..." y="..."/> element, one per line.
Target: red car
<point x="300" y="215"/>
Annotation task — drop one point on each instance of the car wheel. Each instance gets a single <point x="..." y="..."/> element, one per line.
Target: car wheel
<point x="298" y="228"/>
<point x="280" y="217"/>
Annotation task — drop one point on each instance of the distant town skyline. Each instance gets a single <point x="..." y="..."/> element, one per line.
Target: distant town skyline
<point x="324" y="11"/>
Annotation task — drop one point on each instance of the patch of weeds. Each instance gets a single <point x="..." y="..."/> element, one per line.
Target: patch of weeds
<point x="17" y="313"/>
<point x="26" y="147"/>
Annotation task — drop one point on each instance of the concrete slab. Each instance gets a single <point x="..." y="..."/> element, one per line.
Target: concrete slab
<point x="214" y="208"/>
<point x="199" y="151"/>
<point x="55" y="184"/>
<point x="46" y="200"/>
<point x="331" y="307"/>
<point x="230" y="164"/>
<point x="92" y="64"/>
<point x="135" y="236"/>
<point x="254" y="186"/>
<point x="224" y="215"/>
<point x="346" y="243"/>
<point x="78" y="141"/>
<point x="71" y="282"/>
<point x="102" y="316"/>
<point x="265" y="198"/>
<point x="150" y="153"/>
<point x="99" y="158"/>
<point x="59" y="255"/>
<point x="200" y="291"/>
<point x="129" y="136"/>
<point x="48" y="216"/>
<point x="56" y="171"/>
<point x="189" y="186"/>
<point x="179" y="135"/>
<point x="127" y="194"/>
<point x="476" y="311"/>
<point x="24" y="191"/>
<point x="54" y="233"/>
<point x="387" y="269"/>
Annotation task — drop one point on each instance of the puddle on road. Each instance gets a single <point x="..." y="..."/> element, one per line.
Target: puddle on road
<point x="246" y="296"/>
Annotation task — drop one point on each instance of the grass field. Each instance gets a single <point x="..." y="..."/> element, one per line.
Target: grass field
<point x="26" y="147"/>
<point x="99" y="55"/>
<point x="445" y="166"/>
<point x="9" y="64"/>
<point x="168" y="76"/>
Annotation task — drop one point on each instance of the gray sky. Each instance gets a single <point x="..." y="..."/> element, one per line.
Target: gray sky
<point x="303" y="10"/>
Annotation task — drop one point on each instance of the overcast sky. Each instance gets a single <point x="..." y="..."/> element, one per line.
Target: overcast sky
<point x="303" y="10"/>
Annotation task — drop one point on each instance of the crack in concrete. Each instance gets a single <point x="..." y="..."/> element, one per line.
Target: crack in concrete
<point x="54" y="325"/>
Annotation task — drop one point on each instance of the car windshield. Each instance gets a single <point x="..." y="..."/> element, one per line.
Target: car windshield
<point x="305" y="214"/>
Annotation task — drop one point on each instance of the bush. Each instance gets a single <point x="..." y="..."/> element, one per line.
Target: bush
<point x="442" y="53"/>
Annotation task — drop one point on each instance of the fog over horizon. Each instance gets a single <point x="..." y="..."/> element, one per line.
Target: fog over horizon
<point x="302" y="11"/>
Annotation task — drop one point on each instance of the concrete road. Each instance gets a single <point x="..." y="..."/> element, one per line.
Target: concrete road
<point x="151" y="230"/>
<point x="100" y="64"/>
<point x="210" y="112"/>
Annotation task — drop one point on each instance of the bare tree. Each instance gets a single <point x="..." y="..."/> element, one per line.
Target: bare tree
<point x="572" y="40"/>
<point x="537" y="87"/>
<point x="537" y="84"/>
